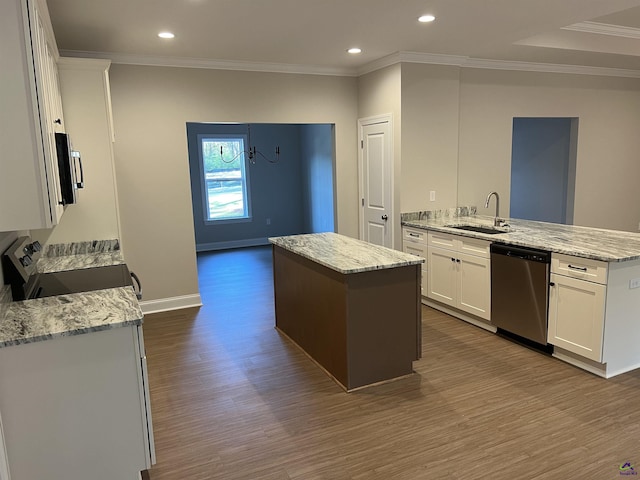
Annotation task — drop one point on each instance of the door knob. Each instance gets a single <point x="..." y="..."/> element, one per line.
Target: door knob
<point x="384" y="217"/>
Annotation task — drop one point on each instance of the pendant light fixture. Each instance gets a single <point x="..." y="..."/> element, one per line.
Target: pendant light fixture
<point x="252" y="152"/>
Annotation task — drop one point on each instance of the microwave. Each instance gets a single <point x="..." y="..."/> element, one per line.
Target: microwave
<point x="69" y="168"/>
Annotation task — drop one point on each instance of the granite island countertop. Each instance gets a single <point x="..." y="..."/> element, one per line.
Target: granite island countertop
<point x="73" y="314"/>
<point x="587" y="242"/>
<point x="343" y="254"/>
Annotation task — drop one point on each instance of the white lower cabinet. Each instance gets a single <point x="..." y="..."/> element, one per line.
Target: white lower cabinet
<point x="577" y="301"/>
<point x="77" y="407"/>
<point x="458" y="279"/>
<point x="4" y="464"/>
<point x="576" y="316"/>
<point x="414" y="241"/>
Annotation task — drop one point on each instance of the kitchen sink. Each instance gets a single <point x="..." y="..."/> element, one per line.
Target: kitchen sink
<point x="479" y="228"/>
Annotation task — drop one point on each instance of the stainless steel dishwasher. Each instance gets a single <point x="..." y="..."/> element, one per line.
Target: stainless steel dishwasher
<point x="520" y="291"/>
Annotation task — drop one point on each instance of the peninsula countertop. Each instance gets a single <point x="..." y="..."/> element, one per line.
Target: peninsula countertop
<point x="586" y="242"/>
<point x="41" y="319"/>
<point x="343" y="254"/>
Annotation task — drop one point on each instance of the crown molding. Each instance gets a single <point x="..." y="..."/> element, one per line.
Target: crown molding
<point x="551" y="68"/>
<point x="604" y="29"/>
<point x="160" y="61"/>
<point x="468" y="62"/>
<point x="84" y="63"/>
<point x="393" y="59"/>
<point x="380" y="63"/>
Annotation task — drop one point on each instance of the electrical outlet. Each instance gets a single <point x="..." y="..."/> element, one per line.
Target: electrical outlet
<point x="432" y="196"/>
<point x="268" y="221"/>
<point x="634" y="283"/>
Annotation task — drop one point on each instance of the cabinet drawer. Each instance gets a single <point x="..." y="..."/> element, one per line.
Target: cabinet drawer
<point x="416" y="249"/>
<point x="414" y="235"/>
<point x="460" y="244"/>
<point x="442" y="240"/>
<point x="582" y="268"/>
<point x="474" y="246"/>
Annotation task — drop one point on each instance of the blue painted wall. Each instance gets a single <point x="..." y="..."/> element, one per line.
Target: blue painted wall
<point x="292" y="196"/>
<point x="318" y="181"/>
<point x="543" y="161"/>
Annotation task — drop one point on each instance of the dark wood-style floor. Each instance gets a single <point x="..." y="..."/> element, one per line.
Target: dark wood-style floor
<point x="232" y="399"/>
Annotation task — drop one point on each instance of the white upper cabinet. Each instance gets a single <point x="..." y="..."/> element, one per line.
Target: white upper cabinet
<point x="31" y="115"/>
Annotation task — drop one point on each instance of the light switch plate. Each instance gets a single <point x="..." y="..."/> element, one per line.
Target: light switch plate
<point x="634" y="283"/>
<point x="432" y="196"/>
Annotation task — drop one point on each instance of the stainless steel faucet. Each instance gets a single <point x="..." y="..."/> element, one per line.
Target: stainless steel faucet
<point x="497" y="221"/>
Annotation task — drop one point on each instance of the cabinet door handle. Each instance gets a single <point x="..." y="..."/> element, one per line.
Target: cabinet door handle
<point x="582" y="269"/>
<point x="551" y="284"/>
<point x="58" y="121"/>
<point x="457" y="260"/>
<point x="385" y="217"/>
<point x="414" y="235"/>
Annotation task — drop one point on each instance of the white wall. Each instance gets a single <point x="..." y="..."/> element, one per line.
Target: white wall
<point x="87" y="117"/>
<point x="430" y="104"/>
<point x="379" y="93"/>
<point x="607" y="166"/>
<point x="151" y="106"/>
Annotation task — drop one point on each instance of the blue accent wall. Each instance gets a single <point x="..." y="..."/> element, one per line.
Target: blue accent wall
<point x="543" y="160"/>
<point x="318" y="178"/>
<point x="292" y="196"/>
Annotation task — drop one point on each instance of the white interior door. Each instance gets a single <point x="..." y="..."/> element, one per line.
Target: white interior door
<point x="376" y="225"/>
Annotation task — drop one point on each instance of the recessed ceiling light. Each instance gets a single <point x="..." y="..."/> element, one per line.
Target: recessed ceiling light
<point x="166" y="35"/>
<point x="426" y="18"/>
<point x="355" y="50"/>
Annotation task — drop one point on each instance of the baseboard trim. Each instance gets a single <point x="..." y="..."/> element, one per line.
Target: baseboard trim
<point x="590" y="366"/>
<point x="249" y="242"/>
<point x="458" y="314"/>
<point x="171" y="303"/>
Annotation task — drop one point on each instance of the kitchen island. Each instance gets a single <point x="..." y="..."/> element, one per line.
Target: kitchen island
<point x="352" y="307"/>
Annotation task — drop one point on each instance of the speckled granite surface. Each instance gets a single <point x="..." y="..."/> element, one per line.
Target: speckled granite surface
<point x="80" y="248"/>
<point x="447" y="213"/>
<point x="5" y="300"/>
<point x="79" y="261"/>
<point x="344" y="254"/>
<point x="65" y="315"/>
<point x="586" y="242"/>
<point x="74" y="256"/>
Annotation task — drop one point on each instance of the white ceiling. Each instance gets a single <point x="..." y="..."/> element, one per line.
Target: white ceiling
<point x="316" y="33"/>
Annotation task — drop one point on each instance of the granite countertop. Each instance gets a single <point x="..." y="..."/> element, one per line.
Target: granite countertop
<point x="586" y="242"/>
<point x="344" y="254"/>
<point x="65" y="315"/>
<point x="74" y="314"/>
<point x="79" y="255"/>
<point x="79" y="261"/>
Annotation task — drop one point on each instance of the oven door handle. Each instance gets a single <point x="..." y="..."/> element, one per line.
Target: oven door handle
<point x="138" y="284"/>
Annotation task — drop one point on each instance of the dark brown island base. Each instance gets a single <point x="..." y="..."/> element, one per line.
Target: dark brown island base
<point x="352" y="307"/>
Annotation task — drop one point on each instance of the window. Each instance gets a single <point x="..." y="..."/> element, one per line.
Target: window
<point x="225" y="178"/>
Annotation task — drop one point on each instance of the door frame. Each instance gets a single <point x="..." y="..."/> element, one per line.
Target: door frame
<point x="362" y="122"/>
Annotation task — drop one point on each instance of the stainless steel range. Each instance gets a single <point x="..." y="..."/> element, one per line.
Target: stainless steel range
<point x="19" y="264"/>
